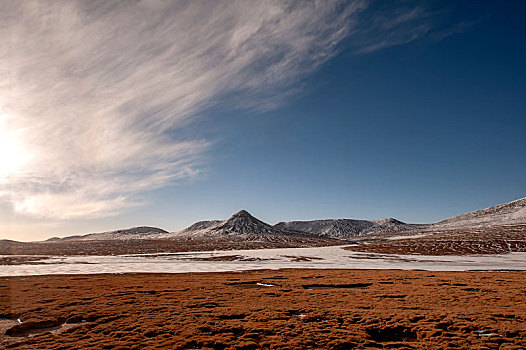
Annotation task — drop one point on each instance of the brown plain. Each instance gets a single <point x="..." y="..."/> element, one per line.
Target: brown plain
<point x="286" y="309"/>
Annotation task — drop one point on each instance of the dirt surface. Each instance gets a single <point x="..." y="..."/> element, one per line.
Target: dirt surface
<point x="149" y="246"/>
<point x="286" y="309"/>
<point x="501" y="239"/>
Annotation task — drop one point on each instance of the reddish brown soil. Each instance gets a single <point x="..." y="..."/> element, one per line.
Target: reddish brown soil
<point x="500" y="239"/>
<point x="147" y="246"/>
<point x="289" y="309"/>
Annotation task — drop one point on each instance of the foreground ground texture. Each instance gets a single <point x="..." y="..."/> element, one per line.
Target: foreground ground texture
<point x="335" y="309"/>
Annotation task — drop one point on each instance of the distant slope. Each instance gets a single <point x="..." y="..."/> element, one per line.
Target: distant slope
<point x="201" y="225"/>
<point x="500" y="229"/>
<point x="139" y="232"/>
<point x="345" y="228"/>
<point x="508" y="213"/>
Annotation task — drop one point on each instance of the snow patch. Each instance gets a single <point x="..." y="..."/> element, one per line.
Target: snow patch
<point x="333" y="257"/>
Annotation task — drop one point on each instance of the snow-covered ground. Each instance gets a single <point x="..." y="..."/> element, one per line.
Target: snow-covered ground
<point x="238" y="260"/>
<point x="395" y="238"/>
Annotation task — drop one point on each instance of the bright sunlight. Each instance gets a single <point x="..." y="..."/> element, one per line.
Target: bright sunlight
<point x="13" y="154"/>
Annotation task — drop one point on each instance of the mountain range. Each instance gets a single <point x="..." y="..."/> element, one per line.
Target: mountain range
<point x="243" y="225"/>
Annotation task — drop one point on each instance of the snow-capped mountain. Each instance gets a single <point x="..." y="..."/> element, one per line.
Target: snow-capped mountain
<point x="139" y="232"/>
<point x="508" y="213"/>
<point x="241" y="223"/>
<point x="344" y="228"/>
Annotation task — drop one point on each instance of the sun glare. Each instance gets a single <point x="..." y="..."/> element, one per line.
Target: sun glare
<point x="13" y="153"/>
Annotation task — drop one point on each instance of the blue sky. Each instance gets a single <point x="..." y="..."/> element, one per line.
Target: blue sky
<point x="415" y="112"/>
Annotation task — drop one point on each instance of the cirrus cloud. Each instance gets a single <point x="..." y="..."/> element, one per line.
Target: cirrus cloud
<point x="99" y="92"/>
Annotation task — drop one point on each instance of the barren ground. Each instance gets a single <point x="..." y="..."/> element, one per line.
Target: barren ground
<point x="499" y="239"/>
<point x="149" y="246"/>
<point x="336" y="309"/>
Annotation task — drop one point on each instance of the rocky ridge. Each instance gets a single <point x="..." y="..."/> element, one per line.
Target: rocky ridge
<point x="508" y="213"/>
<point x="345" y="228"/>
<point x="130" y="233"/>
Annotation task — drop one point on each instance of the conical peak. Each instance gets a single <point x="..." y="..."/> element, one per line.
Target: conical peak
<point x="391" y="220"/>
<point x="242" y="217"/>
<point x="242" y="214"/>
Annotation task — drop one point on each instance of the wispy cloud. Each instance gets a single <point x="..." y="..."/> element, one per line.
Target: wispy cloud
<point x="98" y="92"/>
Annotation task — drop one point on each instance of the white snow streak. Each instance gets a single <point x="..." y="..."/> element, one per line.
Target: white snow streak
<point x="330" y="258"/>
